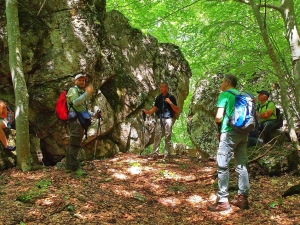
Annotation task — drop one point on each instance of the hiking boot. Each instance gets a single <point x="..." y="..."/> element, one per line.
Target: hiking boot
<point x="219" y="207"/>
<point x="240" y="201"/>
<point x="167" y="158"/>
<point x="154" y="155"/>
<point x="9" y="148"/>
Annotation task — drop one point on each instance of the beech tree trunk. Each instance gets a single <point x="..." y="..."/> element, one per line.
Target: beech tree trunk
<point x="20" y="89"/>
<point x="280" y="73"/>
<point x="292" y="35"/>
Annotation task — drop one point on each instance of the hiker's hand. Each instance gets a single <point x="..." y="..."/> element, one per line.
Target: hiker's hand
<point x="89" y="89"/>
<point x="168" y="101"/>
<point x="99" y="114"/>
<point x="144" y="115"/>
<point x="144" y="111"/>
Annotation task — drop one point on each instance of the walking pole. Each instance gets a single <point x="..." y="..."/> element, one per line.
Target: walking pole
<point x="99" y="128"/>
<point x="143" y="131"/>
<point x="102" y="147"/>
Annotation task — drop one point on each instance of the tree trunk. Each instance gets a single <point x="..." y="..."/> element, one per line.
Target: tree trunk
<point x="292" y="35"/>
<point x="21" y="93"/>
<point x="280" y="74"/>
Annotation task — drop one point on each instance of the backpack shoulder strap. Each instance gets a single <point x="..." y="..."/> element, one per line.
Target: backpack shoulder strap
<point x="74" y="87"/>
<point x="230" y="92"/>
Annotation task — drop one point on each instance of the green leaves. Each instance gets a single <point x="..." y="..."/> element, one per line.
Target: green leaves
<point x="33" y="193"/>
<point x="215" y="37"/>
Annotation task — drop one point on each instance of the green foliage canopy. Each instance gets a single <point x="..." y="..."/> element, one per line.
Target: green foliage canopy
<point x="215" y="37"/>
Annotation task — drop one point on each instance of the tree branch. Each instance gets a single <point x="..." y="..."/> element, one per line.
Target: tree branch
<point x="265" y="153"/>
<point x="278" y="8"/>
<point x="177" y="10"/>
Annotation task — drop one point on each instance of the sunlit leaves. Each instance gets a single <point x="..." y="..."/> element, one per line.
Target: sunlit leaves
<point x="214" y="36"/>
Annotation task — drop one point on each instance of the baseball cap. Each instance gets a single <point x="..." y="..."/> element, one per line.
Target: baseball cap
<point x="264" y="92"/>
<point x="80" y="75"/>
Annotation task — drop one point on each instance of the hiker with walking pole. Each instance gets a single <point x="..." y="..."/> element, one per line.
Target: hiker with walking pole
<point x="77" y="97"/>
<point x="143" y="132"/>
<point x="165" y="108"/>
<point x="99" y="116"/>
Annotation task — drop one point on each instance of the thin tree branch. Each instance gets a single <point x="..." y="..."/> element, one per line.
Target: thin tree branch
<point x="278" y="8"/>
<point x="265" y="153"/>
<point x="174" y="12"/>
<point x="41" y="8"/>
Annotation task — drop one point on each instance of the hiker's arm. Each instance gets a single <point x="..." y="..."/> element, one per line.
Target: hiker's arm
<point x="266" y="114"/>
<point x="3" y="110"/>
<point x="80" y="99"/>
<point x="173" y="105"/>
<point x="219" y="115"/>
<point x="153" y="110"/>
<point x="97" y="115"/>
<point x="175" y="108"/>
<point x="271" y="108"/>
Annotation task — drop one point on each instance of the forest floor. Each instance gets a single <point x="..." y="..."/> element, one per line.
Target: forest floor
<point x="129" y="189"/>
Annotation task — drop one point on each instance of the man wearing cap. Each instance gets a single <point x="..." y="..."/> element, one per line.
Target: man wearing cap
<point x="77" y="96"/>
<point x="266" y="115"/>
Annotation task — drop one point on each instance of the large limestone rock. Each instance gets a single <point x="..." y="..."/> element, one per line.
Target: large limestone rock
<point x="201" y="126"/>
<point x="273" y="160"/>
<point x="62" y="38"/>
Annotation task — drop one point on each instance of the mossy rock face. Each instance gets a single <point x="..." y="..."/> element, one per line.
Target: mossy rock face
<point x="201" y="120"/>
<point x="277" y="161"/>
<point x="9" y="159"/>
<point x="124" y="65"/>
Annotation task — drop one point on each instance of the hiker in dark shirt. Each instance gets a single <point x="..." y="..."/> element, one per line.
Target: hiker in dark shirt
<point x="266" y="115"/>
<point x="165" y="107"/>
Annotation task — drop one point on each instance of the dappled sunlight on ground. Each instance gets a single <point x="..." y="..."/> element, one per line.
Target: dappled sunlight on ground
<point x="170" y="201"/>
<point x="120" y="176"/>
<point x="31" y="176"/>
<point x="134" y="170"/>
<point x="195" y="199"/>
<point x="119" y="190"/>
<point x="130" y="189"/>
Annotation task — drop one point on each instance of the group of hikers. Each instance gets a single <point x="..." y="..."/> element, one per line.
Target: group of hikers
<point x="231" y="142"/>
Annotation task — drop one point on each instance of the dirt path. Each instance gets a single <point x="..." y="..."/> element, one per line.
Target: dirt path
<point x="128" y="189"/>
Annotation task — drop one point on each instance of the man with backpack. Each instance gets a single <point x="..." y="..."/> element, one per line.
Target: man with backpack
<point x="266" y="115"/>
<point x="3" y="125"/>
<point x="77" y="100"/>
<point x="165" y="107"/>
<point x="232" y="143"/>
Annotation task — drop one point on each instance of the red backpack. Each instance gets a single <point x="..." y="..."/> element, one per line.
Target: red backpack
<point x="7" y="113"/>
<point x="61" y="108"/>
